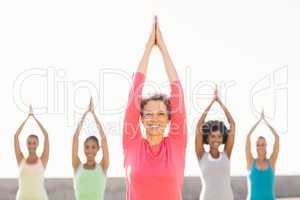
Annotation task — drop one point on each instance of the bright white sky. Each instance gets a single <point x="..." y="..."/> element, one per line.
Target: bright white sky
<point x="56" y="54"/>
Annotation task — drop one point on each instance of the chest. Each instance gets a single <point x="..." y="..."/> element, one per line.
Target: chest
<point x="160" y="163"/>
<point x="89" y="174"/>
<point x="262" y="175"/>
<point x="156" y="173"/>
<point x="31" y="170"/>
<point x="215" y="167"/>
<point x="261" y="165"/>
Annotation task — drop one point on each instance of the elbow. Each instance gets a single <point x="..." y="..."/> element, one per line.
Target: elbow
<point x="232" y="124"/>
<point x="105" y="165"/>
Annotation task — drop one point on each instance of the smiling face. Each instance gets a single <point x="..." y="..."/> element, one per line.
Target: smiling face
<point x="32" y="143"/>
<point x="261" y="146"/>
<point x="215" y="133"/>
<point x="91" y="148"/>
<point x="215" y="139"/>
<point x="155" y="117"/>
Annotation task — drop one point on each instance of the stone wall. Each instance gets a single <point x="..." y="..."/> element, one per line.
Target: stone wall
<point x="62" y="189"/>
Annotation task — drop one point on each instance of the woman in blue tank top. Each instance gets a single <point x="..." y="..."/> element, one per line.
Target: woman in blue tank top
<point x="261" y="180"/>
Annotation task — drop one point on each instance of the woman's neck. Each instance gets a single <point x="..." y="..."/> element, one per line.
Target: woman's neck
<point x="32" y="155"/>
<point x="32" y="158"/>
<point x="90" y="162"/>
<point x="214" y="153"/>
<point x="261" y="157"/>
<point x="154" y="139"/>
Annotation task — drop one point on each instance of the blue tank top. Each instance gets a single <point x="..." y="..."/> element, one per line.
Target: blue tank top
<point x="261" y="183"/>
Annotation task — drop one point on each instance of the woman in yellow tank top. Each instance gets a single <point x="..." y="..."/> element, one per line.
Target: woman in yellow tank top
<point x="31" y="176"/>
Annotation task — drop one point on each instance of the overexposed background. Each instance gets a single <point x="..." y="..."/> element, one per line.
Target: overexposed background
<point x="56" y="54"/>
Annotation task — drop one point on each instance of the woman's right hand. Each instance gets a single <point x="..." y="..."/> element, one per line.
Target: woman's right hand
<point x="91" y="106"/>
<point x="151" y="41"/>
<point x="216" y="95"/>
<point x="30" y="113"/>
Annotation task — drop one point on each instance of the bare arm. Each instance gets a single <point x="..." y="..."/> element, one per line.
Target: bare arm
<point x="45" y="154"/>
<point x="131" y="128"/>
<point x="105" y="158"/>
<point x="143" y="65"/>
<point x="231" y="132"/>
<point x="75" y="157"/>
<point x="178" y="128"/>
<point x="249" y="156"/>
<point x="18" y="152"/>
<point x="199" y="147"/>
<point x="274" y="155"/>
<point x="169" y="66"/>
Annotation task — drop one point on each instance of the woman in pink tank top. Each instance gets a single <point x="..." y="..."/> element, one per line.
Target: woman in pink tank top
<point x="155" y="165"/>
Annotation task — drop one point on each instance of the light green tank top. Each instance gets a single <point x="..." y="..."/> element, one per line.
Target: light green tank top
<point x="89" y="184"/>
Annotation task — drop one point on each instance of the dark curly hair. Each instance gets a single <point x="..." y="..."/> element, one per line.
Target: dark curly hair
<point x="212" y="126"/>
<point x="156" y="97"/>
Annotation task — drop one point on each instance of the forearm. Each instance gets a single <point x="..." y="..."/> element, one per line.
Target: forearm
<point x="276" y="136"/>
<point x="204" y="115"/>
<point x="202" y="119"/>
<point x="99" y="126"/>
<point x="78" y="129"/>
<point x="19" y="130"/>
<point x="80" y="124"/>
<point x="143" y="65"/>
<point x="274" y="132"/>
<point x="168" y="63"/>
<point x="44" y="131"/>
<point x="228" y="115"/>
<point x="252" y="129"/>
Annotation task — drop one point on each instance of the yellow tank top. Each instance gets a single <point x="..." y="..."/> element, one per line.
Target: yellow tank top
<point x="31" y="181"/>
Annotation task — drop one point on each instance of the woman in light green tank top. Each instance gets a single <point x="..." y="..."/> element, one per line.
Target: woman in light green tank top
<point x="90" y="177"/>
